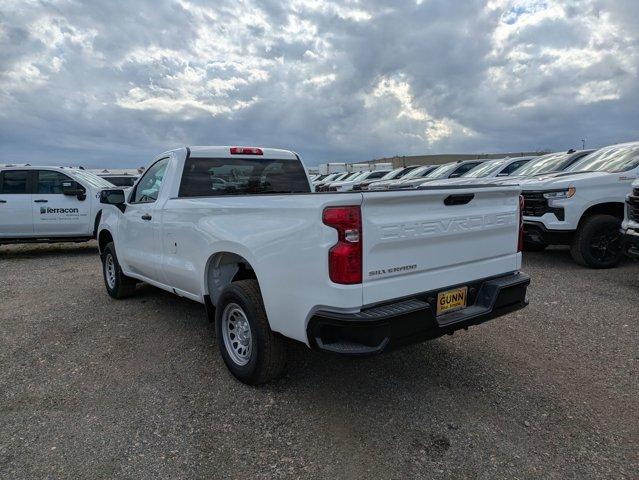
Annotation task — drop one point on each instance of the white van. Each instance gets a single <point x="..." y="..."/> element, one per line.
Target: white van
<point x="49" y="204"/>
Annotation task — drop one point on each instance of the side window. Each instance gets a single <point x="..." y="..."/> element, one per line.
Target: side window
<point x="50" y="182"/>
<point x="148" y="187"/>
<point x="14" y="182"/>
<point x="459" y="171"/>
<point x="378" y="174"/>
<point x="511" y="168"/>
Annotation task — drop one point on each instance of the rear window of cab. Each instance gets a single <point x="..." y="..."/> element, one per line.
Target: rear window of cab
<point x="207" y="177"/>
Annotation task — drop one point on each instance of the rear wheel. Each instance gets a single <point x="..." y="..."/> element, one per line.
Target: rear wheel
<point x="598" y="242"/>
<point x="253" y="353"/>
<point x="118" y="285"/>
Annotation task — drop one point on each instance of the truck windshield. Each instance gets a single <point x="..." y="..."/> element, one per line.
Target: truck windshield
<point x="342" y="176"/>
<point x="619" y="158"/>
<point x="553" y="162"/>
<point x="418" y="172"/>
<point x="397" y="173"/>
<point x="204" y="177"/>
<point x="403" y="172"/>
<point x="442" y="171"/>
<point x="485" y="169"/>
<point x="350" y="176"/>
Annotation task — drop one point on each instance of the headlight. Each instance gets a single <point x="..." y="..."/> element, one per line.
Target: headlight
<point x="565" y="193"/>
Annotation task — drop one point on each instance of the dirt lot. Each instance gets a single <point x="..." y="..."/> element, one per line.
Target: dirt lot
<point x="96" y="388"/>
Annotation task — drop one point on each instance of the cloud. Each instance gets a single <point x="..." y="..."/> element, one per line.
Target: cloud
<point x="113" y="83"/>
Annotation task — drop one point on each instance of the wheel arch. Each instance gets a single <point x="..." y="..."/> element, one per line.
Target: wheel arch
<point x="96" y="223"/>
<point x="616" y="209"/>
<point x="225" y="267"/>
<point x="104" y="237"/>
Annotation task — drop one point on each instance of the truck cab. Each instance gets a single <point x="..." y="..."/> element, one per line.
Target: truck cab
<point x="48" y="204"/>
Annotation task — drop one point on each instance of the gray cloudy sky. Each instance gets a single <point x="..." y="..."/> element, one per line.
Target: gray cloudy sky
<point x="112" y="83"/>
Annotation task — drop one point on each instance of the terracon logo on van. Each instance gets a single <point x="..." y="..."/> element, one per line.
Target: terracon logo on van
<point x="44" y="210"/>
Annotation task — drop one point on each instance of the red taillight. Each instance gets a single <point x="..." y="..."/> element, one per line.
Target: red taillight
<point x="345" y="257"/>
<point x="246" y="151"/>
<point x="520" y="241"/>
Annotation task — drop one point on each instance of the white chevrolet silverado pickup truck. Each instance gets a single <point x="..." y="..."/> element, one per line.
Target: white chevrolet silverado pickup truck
<point x="347" y="273"/>
<point x="49" y="204"/>
<point x="583" y="206"/>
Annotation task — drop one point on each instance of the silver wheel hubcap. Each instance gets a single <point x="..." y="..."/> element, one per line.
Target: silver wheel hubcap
<point x="236" y="333"/>
<point x="109" y="270"/>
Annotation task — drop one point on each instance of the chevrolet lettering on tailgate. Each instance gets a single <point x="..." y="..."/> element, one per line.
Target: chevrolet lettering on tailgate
<point x="447" y="226"/>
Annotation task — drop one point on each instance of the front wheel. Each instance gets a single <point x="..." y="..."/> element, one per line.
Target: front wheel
<point x="252" y="352"/>
<point x="598" y="242"/>
<point x="118" y="285"/>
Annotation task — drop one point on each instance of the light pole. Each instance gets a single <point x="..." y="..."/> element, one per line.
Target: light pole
<point x="583" y="143"/>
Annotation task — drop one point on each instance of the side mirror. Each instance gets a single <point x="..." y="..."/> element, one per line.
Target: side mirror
<point x="115" y="197"/>
<point x="74" y="189"/>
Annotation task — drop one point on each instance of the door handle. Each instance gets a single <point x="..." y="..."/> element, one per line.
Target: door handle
<point x="146" y="217"/>
<point x="41" y="201"/>
<point x="3" y="201"/>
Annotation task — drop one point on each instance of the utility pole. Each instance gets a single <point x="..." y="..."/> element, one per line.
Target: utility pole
<point x="583" y="143"/>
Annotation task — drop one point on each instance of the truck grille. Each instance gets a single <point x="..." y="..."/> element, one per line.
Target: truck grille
<point x="633" y="206"/>
<point x="535" y="205"/>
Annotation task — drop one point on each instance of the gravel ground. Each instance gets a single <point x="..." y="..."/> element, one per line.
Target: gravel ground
<point x="96" y="388"/>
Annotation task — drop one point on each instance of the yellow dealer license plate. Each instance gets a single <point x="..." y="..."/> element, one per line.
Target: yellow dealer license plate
<point x="451" y="300"/>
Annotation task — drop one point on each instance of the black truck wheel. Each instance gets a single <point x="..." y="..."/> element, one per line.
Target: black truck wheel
<point x="598" y="242"/>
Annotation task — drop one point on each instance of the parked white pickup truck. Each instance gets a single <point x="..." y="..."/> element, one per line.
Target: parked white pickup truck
<point x="583" y="206"/>
<point x="347" y="273"/>
<point x="49" y="204"/>
<point x="630" y="226"/>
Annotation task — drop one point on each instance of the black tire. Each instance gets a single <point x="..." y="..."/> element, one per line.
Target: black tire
<point x="534" y="247"/>
<point x="120" y="286"/>
<point x="266" y="357"/>
<point x="598" y="242"/>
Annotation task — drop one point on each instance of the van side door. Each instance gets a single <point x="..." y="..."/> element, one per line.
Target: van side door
<point x="56" y="214"/>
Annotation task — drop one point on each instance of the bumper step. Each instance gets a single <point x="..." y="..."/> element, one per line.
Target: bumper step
<point x="412" y="320"/>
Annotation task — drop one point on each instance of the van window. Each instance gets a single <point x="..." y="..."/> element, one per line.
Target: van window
<point x="14" y="182"/>
<point x="50" y="182"/>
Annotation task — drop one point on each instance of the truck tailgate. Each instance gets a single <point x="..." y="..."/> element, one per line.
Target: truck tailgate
<point x="423" y="240"/>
